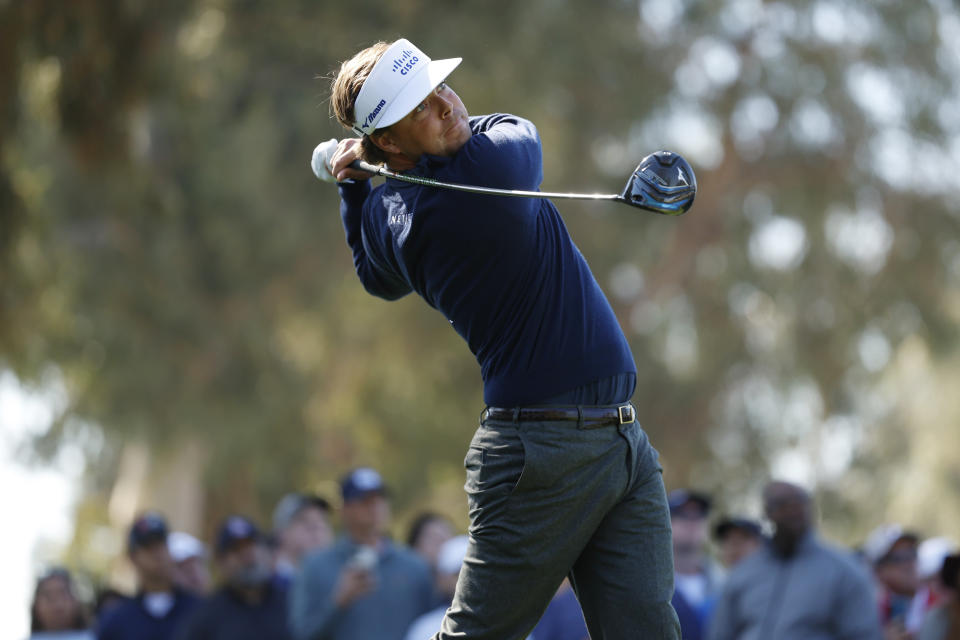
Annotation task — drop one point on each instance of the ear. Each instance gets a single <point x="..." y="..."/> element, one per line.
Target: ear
<point x="385" y="142"/>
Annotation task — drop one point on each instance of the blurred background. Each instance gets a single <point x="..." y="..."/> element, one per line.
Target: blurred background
<point x="181" y="327"/>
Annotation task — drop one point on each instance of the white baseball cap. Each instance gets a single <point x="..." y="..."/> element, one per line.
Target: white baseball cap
<point x="403" y="76"/>
<point x="881" y="540"/>
<point x="184" y="546"/>
<point x="931" y="554"/>
<point x="451" y="555"/>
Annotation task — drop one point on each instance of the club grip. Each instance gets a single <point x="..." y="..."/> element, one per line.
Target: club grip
<point x="365" y="166"/>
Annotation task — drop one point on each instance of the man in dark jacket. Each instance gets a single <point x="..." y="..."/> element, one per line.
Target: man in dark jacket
<point x="697" y="577"/>
<point x="251" y="604"/>
<point x="159" y="606"/>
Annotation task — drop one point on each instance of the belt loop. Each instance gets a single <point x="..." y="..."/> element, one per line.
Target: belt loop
<point x="483" y="415"/>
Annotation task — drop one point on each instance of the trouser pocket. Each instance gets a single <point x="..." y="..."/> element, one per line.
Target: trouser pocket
<point x="494" y="462"/>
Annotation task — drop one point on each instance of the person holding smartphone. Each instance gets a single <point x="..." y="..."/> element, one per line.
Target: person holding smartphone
<point x="365" y="586"/>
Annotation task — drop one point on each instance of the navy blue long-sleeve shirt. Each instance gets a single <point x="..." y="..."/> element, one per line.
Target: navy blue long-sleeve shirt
<point x="503" y="270"/>
<point x="132" y="620"/>
<point x="226" y="616"/>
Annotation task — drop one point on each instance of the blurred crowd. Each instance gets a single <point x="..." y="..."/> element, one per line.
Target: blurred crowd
<point x="735" y="577"/>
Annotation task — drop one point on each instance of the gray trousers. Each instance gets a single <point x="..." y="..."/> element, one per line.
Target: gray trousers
<point x="555" y="499"/>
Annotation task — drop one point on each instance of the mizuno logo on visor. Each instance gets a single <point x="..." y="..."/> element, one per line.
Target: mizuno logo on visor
<point x="373" y="114"/>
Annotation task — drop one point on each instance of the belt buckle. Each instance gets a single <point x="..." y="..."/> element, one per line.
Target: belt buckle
<point x="626" y="414"/>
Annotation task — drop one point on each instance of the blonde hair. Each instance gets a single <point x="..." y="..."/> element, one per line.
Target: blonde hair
<point x="345" y="89"/>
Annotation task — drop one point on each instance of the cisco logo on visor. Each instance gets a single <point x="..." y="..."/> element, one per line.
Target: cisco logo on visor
<point x="402" y="77"/>
<point x="405" y="63"/>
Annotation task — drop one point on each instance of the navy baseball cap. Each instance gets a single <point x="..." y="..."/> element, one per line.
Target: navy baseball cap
<point x="146" y="530"/>
<point x="360" y="483"/>
<point x="679" y="498"/>
<point x="727" y="525"/>
<point x="236" y="529"/>
<point x="292" y="504"/>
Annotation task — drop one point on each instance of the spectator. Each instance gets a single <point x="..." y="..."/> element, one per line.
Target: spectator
<point x="107" y="599"/>
<point x="301" y="525"/>
<point x="250" y="604"/>
<point x="364" y="586"/>
<point x="931" y="554"/>
<point x="56" y="612"/>
<point x="190" y="571"/>
<point x="563" y="619"/>
<point x="943" y="622"/>
<point x="697" y="579"/>
<point x="159" y="606"/>
<point x="893" y="554"/>
<point x="795" y="587"/>
<point x="736" y="539"/>
<point x="427" y="535"/>
<point x="449" y="559"/>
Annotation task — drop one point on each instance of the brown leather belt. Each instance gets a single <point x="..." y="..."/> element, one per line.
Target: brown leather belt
<point x="624" y="414"/>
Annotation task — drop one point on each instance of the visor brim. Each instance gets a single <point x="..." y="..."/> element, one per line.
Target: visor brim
<point x="417" y="89"/>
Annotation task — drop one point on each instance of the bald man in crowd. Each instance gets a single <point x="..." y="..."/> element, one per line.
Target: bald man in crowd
<point x="796" y="587"/>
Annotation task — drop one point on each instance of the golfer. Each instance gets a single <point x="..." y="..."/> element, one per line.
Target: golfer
<point x="561" y="480"/>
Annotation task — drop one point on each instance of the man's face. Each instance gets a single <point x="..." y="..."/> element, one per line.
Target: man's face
<point x="788" y="508"/>
<point x="736" y="545"/>
<point x="689" y="523"/>
<point x="192" y="574"/>
<point x="367" y="515"/>
<point x="898" y="569"/>
<point x="246" y="564"/>
<point x="153" y="561"/>
<point x="309" y="530"/>
<point x="438" y="126"/>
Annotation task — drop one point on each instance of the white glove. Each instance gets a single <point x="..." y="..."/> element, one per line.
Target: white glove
<point x="321" y="160"/>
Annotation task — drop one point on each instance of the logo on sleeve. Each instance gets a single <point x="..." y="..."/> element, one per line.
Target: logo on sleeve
<point x="399" y="218"/>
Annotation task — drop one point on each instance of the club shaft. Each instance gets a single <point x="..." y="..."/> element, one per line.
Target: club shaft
<point x="386" y="173"/>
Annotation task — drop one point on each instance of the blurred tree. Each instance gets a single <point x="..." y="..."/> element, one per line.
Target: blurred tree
<point x="164" y="247"/>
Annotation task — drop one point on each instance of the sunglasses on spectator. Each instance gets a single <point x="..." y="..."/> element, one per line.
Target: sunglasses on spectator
<point x="900" y="557"/>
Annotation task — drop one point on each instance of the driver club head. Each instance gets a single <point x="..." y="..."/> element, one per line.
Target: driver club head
<point x="663" y="182"/>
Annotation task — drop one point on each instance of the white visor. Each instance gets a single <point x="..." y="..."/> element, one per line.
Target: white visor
<point x="400" y="80"/>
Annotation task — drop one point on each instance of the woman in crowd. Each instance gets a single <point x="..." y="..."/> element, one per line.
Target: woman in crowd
<point x="56" y="613"/>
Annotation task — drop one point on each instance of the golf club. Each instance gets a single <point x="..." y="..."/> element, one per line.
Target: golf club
<point x="663" y="183"/>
